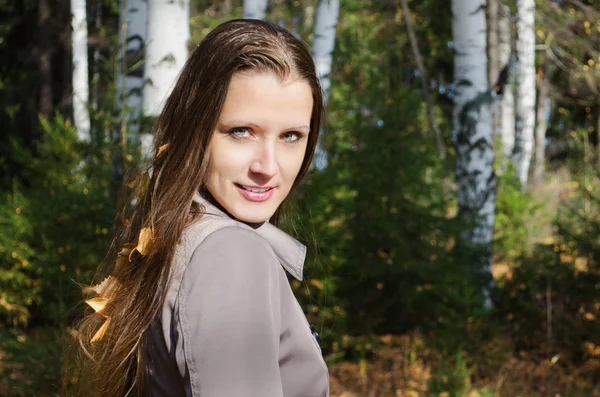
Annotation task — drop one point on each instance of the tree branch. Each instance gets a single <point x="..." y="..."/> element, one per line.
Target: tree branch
<point x="424" y="81"/>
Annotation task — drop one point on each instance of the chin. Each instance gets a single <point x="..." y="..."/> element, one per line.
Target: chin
<point x="252" y="218"/>
<point x="253" y="215"/>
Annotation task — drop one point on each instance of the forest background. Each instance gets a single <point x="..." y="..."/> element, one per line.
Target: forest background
<point x="411" y="292"/>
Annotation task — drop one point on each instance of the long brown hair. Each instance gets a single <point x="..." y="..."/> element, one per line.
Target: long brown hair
<point x="114" y="365"/>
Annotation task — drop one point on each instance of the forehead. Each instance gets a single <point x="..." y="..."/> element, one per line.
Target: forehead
<point x="266" y="98"/>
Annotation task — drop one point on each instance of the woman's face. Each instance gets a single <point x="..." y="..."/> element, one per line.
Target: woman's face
<point x="258" y="147"/>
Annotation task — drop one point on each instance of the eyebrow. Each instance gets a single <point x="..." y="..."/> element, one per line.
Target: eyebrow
<point x="230" y="123"/>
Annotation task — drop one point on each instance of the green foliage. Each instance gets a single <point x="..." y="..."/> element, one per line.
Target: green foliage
<point x="379" y="220"/>
<point x="20" y="285"/>
<point x="58" y="216"/>
<point x="381" y="214"/>
<point x="514" y="207"/>
<point x="30" y="363"/>
<point x="552" y="295"/>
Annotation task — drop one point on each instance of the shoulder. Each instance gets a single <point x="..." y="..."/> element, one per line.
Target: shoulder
<point x="232" y="251"/>
<point x="233" y="267"/>
<point x="233" y="241"/>
<point x="214" y="246"/>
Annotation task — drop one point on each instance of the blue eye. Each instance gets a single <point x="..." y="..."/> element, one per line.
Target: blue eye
<point x="292" y="137"/>
<point x="240" y="132"/>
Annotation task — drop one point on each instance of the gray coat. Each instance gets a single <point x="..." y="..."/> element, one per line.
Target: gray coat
<point x="230" y="325"/>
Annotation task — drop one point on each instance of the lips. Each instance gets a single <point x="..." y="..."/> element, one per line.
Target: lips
<point x="256" y="193"/>
<point x="256" y="189"/>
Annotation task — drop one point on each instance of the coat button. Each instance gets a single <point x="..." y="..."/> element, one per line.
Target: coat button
<point x="314" y="332"/>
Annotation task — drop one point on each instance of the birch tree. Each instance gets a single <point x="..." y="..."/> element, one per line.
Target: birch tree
<point x="166" y="53"/>
<point x="525" y="88"/>
<point x="493" y="24"/>
<point x="130" y="80"/>
<point x="322" y="50"/>
<point x="81" y="90"/>
<point x="507" y="103"/>
<point x="133" y="20"/>
<point x="324" y="40"/>
<point x="472" y="133"/>
<point x="254" y="9"/>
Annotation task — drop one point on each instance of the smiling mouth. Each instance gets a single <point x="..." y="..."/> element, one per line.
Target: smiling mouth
<point x="254" y="193"/>
<point x="255" y="189"/>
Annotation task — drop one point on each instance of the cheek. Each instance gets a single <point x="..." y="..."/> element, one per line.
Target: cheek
<point x="292" y="162"/>
<point x="224" y="161"/>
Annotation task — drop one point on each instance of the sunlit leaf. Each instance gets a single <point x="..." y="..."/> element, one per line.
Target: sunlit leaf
<point x="97" y="304"/>
<point x="144" y="242"/>
<point x="162" y="149"/>
<point x="101" y="331"/>
<point x="105" y="287"/>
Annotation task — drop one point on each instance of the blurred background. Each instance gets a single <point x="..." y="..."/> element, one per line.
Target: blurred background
<point x="451" y="215"/>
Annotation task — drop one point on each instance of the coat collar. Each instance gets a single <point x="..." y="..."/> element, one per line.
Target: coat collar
<point x="290" y="252"/>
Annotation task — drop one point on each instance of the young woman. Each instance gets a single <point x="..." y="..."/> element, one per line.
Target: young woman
<point x="198" y="302"/>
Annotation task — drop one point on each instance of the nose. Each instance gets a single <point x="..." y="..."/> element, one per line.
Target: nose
<point x="265" y="161"/>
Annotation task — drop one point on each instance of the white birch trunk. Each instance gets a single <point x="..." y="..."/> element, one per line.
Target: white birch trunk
<point x="166" y="50"/>
<point x="493" y="56"/>
<point x="81" y="88"/>
<point x="322" y="50"/>
<point x="494" y="64"/>
<point x="473" y="127"/>
<point x="130" y="80"/>
<point x="507" y="103"/>
<point x="254" y="9"/>
<point x="324" y="41"/>
<point x="166" y="53"/>
<point x="525" y="82"/>
<point x="507" y="134"/>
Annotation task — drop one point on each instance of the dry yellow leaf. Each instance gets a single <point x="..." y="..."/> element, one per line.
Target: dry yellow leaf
<point x="101" y="331"/>
<point x="97" y="304"/>
<point x="101" y="287"/>
<point x="162" y="149"/>
<point x="106" y="287"/>
<point x="144" y="241"/>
